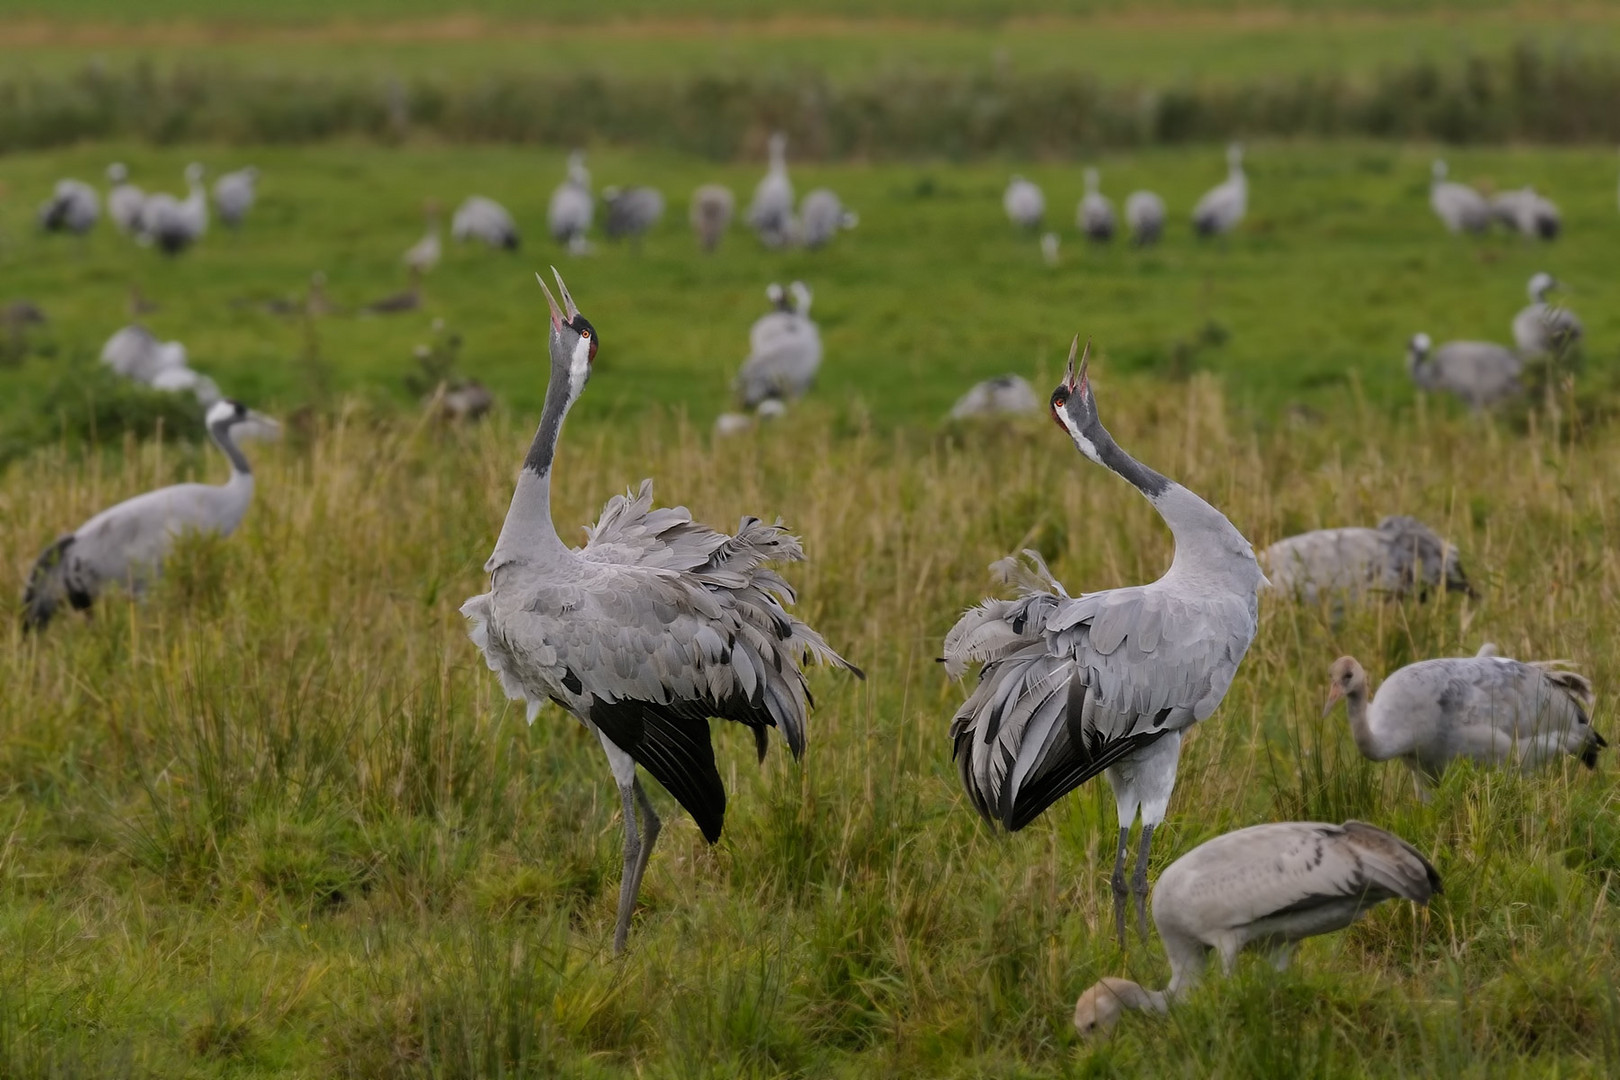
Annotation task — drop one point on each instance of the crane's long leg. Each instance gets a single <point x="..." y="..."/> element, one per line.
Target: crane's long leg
<point x="1118" y="882"/>
<point x="630" y="879"/>
<point x="650" y="827"/>
<point x="1139" y="884"/>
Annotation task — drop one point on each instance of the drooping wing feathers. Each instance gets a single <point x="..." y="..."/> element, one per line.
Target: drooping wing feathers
<point x="50" y="582"/>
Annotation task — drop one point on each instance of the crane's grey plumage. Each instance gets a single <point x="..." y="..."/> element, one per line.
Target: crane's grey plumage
<point x="1459" y="207"/>
<point x="234" y="194"/>
<point x="1001" y="396"/>
<point x="73" y="207"/>
<point x="1527" y="213"/>
<point x="1108" y="681"/>
<point x="1223" y="206"/>
<point x="479" y="218"/>
<point x="176" y="224"/>
<point x="1095" y="214"/>
<point x="784" y="351"/>
<point x="654" y="626"/>
<point x="124" y="199"/>
<point x="1270" y="886"/>
<point x="631" y="212"/>
<point x="770" y="215"/>
<point x="1144" y="213"/>
<point x="163" y="365"/>
<point x="572" y="206"/>
<point x="1024" y="203"/>
<point x="1486" y="708"/>
<point x="1481" y="373"/>
<point x="1544" y="329"/>
<point x="424" y="255"/>
<point x="1400" y="556"/>
<point x="822" y="215"/>
<point x="127" y="543"/>
<point x="713" y="206"/>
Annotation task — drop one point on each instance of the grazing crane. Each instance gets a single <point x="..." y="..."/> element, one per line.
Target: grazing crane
<point x="1459" y="207"/>
<point x="572" y="207"/>
<point x="1223" y="206"/>
<point x="1107" y="681"/>
<point x="770" y="215"/>
<point x="632" y="212"/>
<point x="1543" y="329"/>
<point x="1480" y="372"/>
<point x="1144" y="213"/>
<point x="1003" y="395"/>
<point x="478" y="218"/>
<point x="1268" y="885"/>
<point x="1400" y="556"/>
<point x="713" y="206"/>
<point x="1095" y="214"/>
<point x="822" y="215"/>
<point x="175" y="224"/>
<point x="422" y="256"/>
<point x="73" y="207"/>
<point x="784" y="352"/>
<point x="127" y="543"/>
<point x="234" y="194"/>
<point x="1024" y="203"/>
<point x="124" y="200"/>
<point x="1527" y="213"/>
<point x="655" y="625"/>
<point x="135" y="354"/>
<point x="1486" y="708"/>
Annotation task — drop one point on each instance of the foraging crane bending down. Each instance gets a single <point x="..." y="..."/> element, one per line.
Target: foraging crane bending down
<point x="784" y="352"/>
<point x="127" y="543"/>
<point x="1107" y="681"/>
<point x="1480" y="372"/>
<point x="1487" y="708"/>
<point x="1095" y="214"/>
<point x="124" y="199"/>
<point x="655" y="625"/>
<point x="1024" y="203"/>
<point x="73" y="207"/>
<point x="1543" y="329"/>
<point x="713" y="206"/>
<point x="175" y="224"/>
<point x="424" y="255"/>
<point x="632" y="212"/>
<point x="770" y="215"/>
<point x="1003" y="395"/>
<point x="572" y="206"/>
<point x="1223" y="206"/>
<point x="478" y="218"/>
<point x="1401" y="555"/>
<point x="1527" y="213"/>
<point x="822" y="215"/>
<point x="1267" y="885"/>
<point x="1459" y="207"/>
<point x="234" y="194"/>
<point x="1144" y="213"/>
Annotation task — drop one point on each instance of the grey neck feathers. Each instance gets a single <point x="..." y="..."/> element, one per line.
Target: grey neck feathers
<point x="1144" y="479"/>
<point x="221" y="434"/>
<point x="528" y="529"/>
<point x="1355" y="704"/>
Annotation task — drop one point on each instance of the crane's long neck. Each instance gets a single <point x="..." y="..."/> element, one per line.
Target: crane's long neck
<point x="221" y="434"/>
<point x="1367" y="741"/>
<point x="528" y="531"/>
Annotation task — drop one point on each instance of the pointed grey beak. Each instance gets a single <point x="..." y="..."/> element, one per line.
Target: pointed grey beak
<point x="568" y="301"/>
<point x="1070" y="378"/>
<point x="551" y="301"/>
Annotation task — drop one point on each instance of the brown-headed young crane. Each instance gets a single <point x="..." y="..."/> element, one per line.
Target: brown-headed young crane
<point x="1105" y="682"/>
<point x="652" y="627"/>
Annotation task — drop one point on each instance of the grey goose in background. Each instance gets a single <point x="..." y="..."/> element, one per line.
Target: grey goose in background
<point x="1527" y="213"/>
<point x="1400" y="556"/>
<point x="654" y="626"/>
<point x="821" y="216"/>
<point x="126" y="544"/>
<point x="1459" y="207"/>
<point x="1105" y="682"/>
<point x="124" y="199"/>
<point x="572" y="206"/>
<point x="1095" y="214"/>
<point x="1024" y="203"/>
<point x="234" y="194"/>
<point x="176" y="224"/>
<point x="484" y="219"/>
<point x="770" y="215"/>
<point x="1481" y="373"/>
<point x="1270" y="886"/>
<point x="1144" y="213"/>
<point x="1543" y="329"/>
<point x="713" y="206"/>
<point x="1004" y="395"/>
<point x="1486" y="708"/>
<point x="1223" y="206"/>
<point x="631" y="212"/>
<point x="74" y="207"/>
<point x="784" y="351"/>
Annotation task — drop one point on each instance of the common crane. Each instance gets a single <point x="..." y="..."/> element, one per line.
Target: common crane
<point x="631" y="212"/>
<point x="1095" y="214"/>
<point x="1024" y="203"/>
<point x="572" y="206"/>
<point x="124" y="199"/>
<point x="478" y="218"/>
<point x="1481" y="373"/>
<point x="713" y="206"/>
<point x="1544" y="329"/>
<point x="1528" y="213"/>
<point x="1223" y="206"/>
<point x="1459" y="207"/>
<point x="1144" y="213"/>
<point x="73" y="207"/>
<point x="234" y="194"/>
<point x="422" y="256"/>
<point x="784" y="352"/>
<point x="822" y="215"/>
<point x="1400" y="556"/>
<point x="176" y="224"/>
<point x="770" y="215"/>
<point x="1003" y="395"/>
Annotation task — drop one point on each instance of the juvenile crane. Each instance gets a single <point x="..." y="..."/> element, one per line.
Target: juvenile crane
<point x="1267" y="885"/>
<point x="1106" y="682"/>
<point x="655" y="625"/>
<point x="1544" y="329"/>
<point x="1095" y="214"/>
<point x="571" y="209"/>
<point x="1486" y="708"/>
<point x="713" y="206"/>
<point x="126" y="544"/>
<point x="1459" y="207"/>
<point x="1400" y="556"/>
<point x="1223" y="206"/>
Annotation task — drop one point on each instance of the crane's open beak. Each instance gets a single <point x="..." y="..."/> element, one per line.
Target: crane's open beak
<point x="1073" y="379"/>
<point x="568" y="301"/>
<point x="1335" y="692"/>
<point x="551" y="301"/>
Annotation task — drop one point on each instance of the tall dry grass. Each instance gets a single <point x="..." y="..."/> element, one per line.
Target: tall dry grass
<point x="277" y="817"/>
